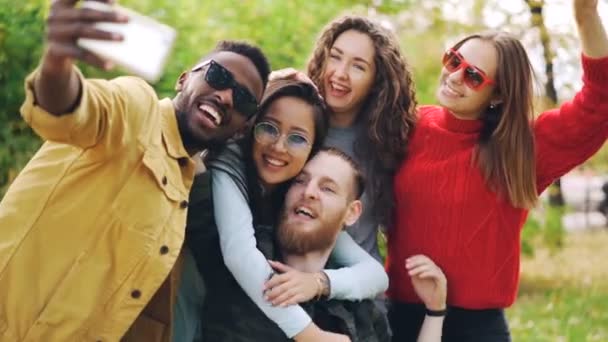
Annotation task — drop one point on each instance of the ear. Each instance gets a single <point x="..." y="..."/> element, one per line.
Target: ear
<point x="353" y="212"/>
<point x="496" y="100"/>
<point x="179" y="85"/>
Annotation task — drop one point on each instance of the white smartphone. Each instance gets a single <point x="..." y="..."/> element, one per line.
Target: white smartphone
<point x="144" y="49"/>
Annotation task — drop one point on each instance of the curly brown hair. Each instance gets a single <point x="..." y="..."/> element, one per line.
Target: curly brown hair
<point x="387" y="115"/>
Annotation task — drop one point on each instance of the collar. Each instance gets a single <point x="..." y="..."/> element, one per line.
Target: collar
<point x="454" y="124"/>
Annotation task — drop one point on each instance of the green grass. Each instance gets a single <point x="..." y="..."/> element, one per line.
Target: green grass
<point x="564" y="295"/>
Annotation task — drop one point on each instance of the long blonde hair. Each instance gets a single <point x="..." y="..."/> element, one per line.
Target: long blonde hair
<point x="506" y="149"/>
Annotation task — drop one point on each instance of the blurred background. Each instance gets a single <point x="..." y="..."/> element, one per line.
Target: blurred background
<point x="564" y="288"/>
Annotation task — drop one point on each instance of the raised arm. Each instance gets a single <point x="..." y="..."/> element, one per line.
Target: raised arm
<point x="248" y="265"/>
<point x="567" y="136"/>
<point x="57" y="86"/>
<point x="594" y="41"/>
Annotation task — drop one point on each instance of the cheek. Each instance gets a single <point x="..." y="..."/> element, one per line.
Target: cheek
<point x="363" y="85"/>
<point x="257" y="155"/>
<point x="443" y="75"/>
<point x="297" y="164"/>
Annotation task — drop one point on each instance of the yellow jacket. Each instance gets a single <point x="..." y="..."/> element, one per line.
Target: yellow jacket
<point x="93" y="225"/>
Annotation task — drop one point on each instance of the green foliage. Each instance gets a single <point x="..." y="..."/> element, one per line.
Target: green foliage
<point x="286" y="30"/>
<point x="21" y="33"/>
<point x="543" y="229"/>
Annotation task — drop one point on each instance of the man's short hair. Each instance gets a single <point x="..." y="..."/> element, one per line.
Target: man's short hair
<point x="358" y="177"/>
<point x="253" y="53"/>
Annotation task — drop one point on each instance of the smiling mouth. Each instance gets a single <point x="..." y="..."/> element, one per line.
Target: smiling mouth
<point x="450" y="91"/>
<point x="211" y="113"/>
<point x="305" y="212"/>
<point x="338" y="89"/>
<point x="273" y="161"/>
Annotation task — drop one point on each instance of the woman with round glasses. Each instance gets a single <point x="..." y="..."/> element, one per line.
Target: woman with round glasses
<point x="476" y="164"/>
<point x="248" y="181"/>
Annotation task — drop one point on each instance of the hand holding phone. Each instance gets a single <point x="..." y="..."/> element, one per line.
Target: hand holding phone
<point x="145" y="43"/>
<point x="66" y="24"/>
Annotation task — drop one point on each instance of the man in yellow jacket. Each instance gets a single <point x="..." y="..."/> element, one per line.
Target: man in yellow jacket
<point x="94" y="224"/>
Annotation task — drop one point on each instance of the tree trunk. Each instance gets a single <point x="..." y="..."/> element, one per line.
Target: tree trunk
<point x="556" y="197"/>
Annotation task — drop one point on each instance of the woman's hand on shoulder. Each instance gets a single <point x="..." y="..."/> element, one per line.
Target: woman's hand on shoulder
<point x="291" y="286"/>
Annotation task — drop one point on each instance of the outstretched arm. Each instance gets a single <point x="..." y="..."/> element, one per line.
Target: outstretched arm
<point x="57" y="86"/>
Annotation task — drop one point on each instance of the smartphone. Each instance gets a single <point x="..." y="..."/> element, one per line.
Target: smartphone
<point x="144" y="49"/>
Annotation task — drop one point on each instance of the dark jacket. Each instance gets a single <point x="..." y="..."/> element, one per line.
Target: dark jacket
<point x="228" y="313"/>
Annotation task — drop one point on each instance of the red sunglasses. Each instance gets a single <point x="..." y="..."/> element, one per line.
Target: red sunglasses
<point x="473" y="77"/>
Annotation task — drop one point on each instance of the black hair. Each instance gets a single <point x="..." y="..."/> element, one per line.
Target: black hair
<point x="253" y="53"/>
<point x="265" y="207"/>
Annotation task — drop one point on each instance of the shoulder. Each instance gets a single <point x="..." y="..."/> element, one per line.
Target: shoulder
<point x="428" y="114"/>
<point x="229" y="160"/>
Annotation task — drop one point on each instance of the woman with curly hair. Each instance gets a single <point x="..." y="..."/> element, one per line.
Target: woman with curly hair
<point x="367" y="84"/>
<point x="368" y="87"/>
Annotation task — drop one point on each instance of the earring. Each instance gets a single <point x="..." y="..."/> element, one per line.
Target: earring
<point x="492" y="106"/>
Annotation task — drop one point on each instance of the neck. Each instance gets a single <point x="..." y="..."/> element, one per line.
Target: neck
<point x="267" y="188"/>
<point x="343" y="119"/>
<point x="310" y="262"/>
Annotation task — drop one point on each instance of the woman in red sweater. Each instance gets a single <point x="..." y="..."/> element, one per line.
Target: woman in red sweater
<point x="476" y="164"/>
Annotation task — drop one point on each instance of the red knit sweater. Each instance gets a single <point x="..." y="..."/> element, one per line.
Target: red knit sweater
<point x="445" y="210"/>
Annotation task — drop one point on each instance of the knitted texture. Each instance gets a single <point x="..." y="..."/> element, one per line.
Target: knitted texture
<point x="445" y="209"/>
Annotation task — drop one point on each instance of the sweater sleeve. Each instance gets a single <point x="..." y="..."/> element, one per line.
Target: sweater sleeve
<point x="241" y="256"/>
<point x="567" y="136"/>
<point x="363" y="277"/>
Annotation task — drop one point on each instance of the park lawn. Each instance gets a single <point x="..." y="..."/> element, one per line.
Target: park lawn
<point x="564" y="296"/>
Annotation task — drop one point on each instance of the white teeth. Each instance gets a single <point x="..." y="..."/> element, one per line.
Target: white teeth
<point x="217" y="118"/>
<point x="338" y="87"/>
<point x="274" y="162"/>
<point x="451" y="91"/>
<point x="304" y="211"/>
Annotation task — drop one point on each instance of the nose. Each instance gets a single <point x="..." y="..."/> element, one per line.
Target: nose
<point x="311" y="190"/>
<point x="225" y="97"/>
<point x="341" y="70"/>
<point x="281" y="144"/>
<point x="456" y="76"/>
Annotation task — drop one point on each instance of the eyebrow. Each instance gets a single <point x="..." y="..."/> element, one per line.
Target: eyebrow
<point x="356" y="58"/>
<point x="327" y="179"/>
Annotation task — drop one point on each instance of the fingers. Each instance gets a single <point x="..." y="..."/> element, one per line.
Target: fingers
<point x="283" y="73"/>
<point x="277" y="280"/>
<point x="66" y="24"/>
<point x="71" y="51"/>
<point x="73" y="2"/>
<point x="279" y="293"/>
<point x="79" y="30"/>
<point x="86" y="15"/>
<point x="283" y="298"/>
<point x="417" y="260"/>
<point x="416" y="271"/>
<point x="279" y="266"/>
<point x="423" y="267"/>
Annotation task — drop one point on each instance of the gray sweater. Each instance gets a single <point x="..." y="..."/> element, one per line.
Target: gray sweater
<point x="365" y="230"/>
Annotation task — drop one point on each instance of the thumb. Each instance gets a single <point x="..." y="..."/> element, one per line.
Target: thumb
<point x="279" y="266"/>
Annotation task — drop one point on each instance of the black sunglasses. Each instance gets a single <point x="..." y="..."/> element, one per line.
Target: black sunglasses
<point x="220" y="78"/>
